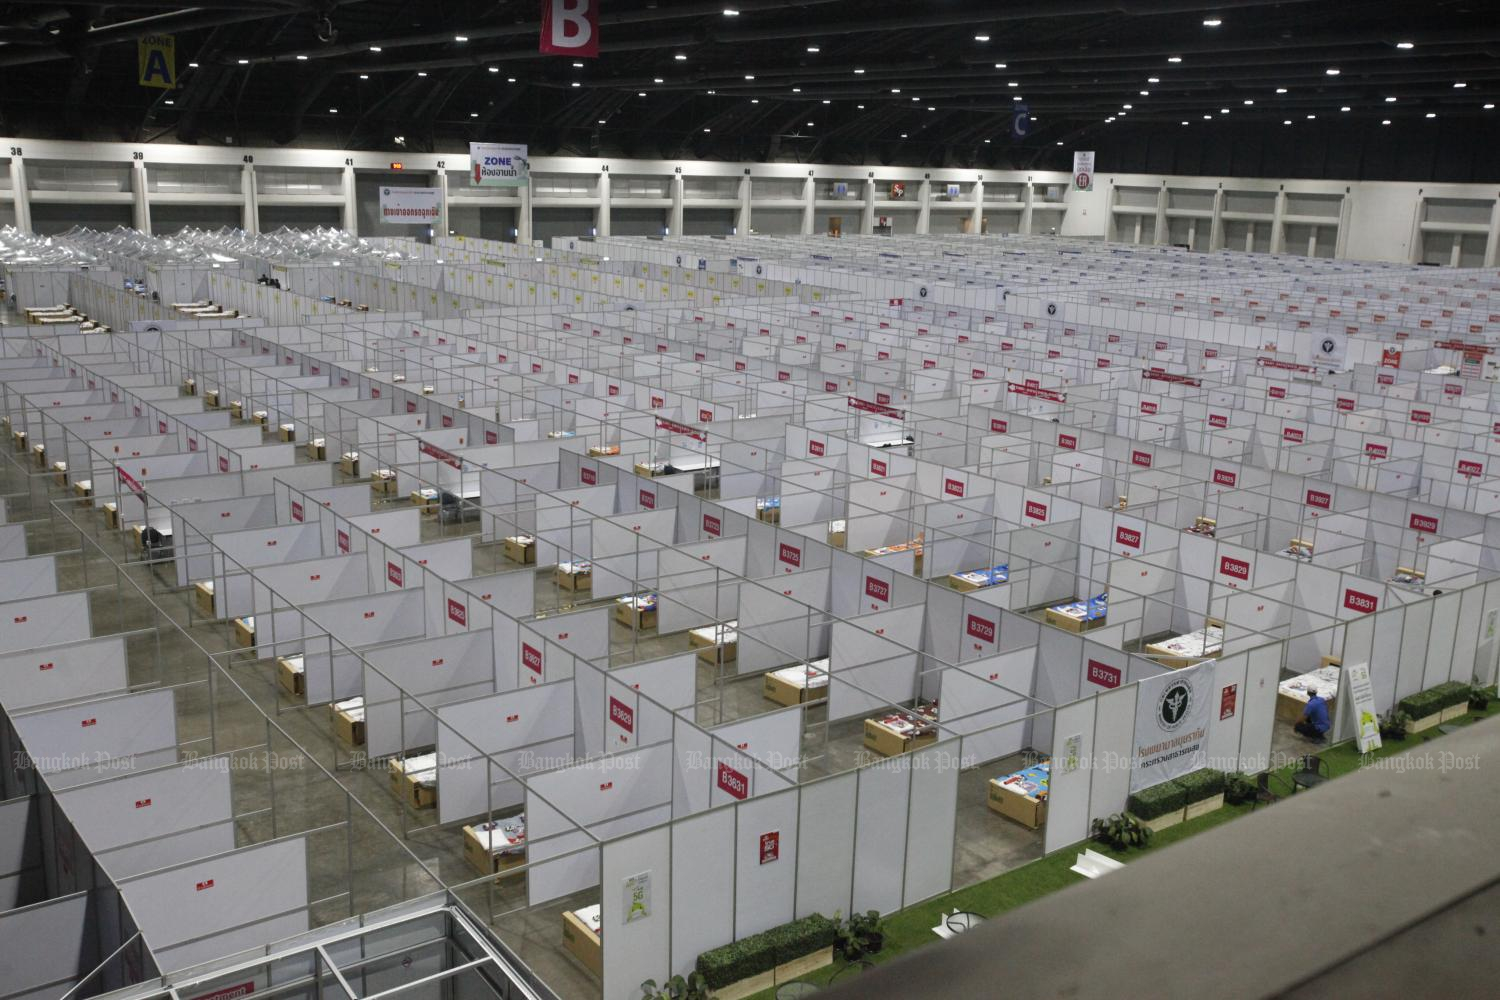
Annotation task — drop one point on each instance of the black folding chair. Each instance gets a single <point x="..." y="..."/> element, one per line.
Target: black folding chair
<point x="1312" y="771"/>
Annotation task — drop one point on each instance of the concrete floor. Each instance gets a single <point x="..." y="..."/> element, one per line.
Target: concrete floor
<point x="366" y="848"/>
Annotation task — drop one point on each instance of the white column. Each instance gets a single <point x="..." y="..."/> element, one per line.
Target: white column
<point x="601" y="214"/>
<point x="1490" y="248"/>
<point x="1028" y="199"/>
<point x="742" y="217"/>
<point x="19" y="193"/>
<point x="924" y="211"/>
<point x="674" y="218"/>
<point x="1346" y="212"/>
<point x="977" y="226"/>
<point x="523" y="215"/>
<point x="442" y="186"/>
<point x="809" y="204"/>
<point x="1162" y="229"/>
<point x="141" y="208"/>
<point x="1278" y="236"/>
<point x="250" y="216"/>
<point x="1216" y="228"/>
<point x="867" y="213"/>
<point x="351" y="211"/>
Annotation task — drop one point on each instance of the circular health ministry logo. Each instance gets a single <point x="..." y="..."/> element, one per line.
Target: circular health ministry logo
<point x="1174" y="704"/>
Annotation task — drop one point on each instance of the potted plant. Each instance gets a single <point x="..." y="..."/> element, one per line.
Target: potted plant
<point x="1159" y="806"/>
<point x="677" y="988"/>
<point x="863" y="934"/>
<point x="1239" y="788"/>
<point x="1121" y="832"/>
<point x="1394" y="726"/>
<point x="1479" y="698"/>
<point x="1202" y="791"/>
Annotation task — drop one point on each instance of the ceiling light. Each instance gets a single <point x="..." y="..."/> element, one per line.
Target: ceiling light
<point x="1128" y="107"/>
<point x="1122" y="114"/>
<point x="1174" y="59"/>
<point x="576" y="84"/>
<point x="814" y="49"/>
<point x="578" y="65"/>
<point x="809" y="124"/>
<point x="753" y="100"/>
<point x="711" y="93"/>
<point x="1390" y="100"/>
<point x="1459" y="86"/>
<point x="1405" y="45"/>
<point x="930" y="108"/>
<point x="1000" y="65"/>
<point x="1013" y="83"/>
<point x="1330" y="71"/>
<point x="1208" y="118"/>
<point x="731" y="12"/>
<point x="1109" y="119"/>
<point x="657" y="79"/>
<point x="1345" y="108"/>
<point x="895" y="90"/>
<point x="1059" y="142"/>
<point x="601" y="121"/>
<point x="374" y="48"/>
<point x="860" y="107"/>
<point x="1489" y="107"/>
<point x="1223" y="111"/>
<point x="333" y="111"/>
<point x="827" y="102"/>
<point x="708" y="130"/>
<point x="243" y="62"/>
<point x="1386" y="122"/>
<point x="364" y="76"/>
<point x="1432" y="114"/>
<point x="749" y="76"/>
<point x="796" y="90"/>
<point x="1287" y="122"/>
<point x="1281" y="90"/>
<point x="1145" y="93"/>
<point x="1311" y="117"/>
<point x="981" y="38"/>
<point x="903" y="135"/>
<point x="299" y="59"/>
<point x="680" y="57"/>
<point x="195" y="65"/>
<point x="508" y="79"/>
<point x="859" y="72"/>
<point x="1248" y="103"/>
<point x="460" y="38"/>
<point x="986" y="142"/>
<point x="914" y="99"/>
<point x="423" y="72"/>
<point x="473" y="114"/>
<point x="494" y="69"/>
<point x="1184" y="123"/>
<point x="1016" y="98"/>
<point x="1211" y="22"/>
<point x="1153" y="79"/>
<point x="169" y="101"/>
<point x="640" y="93"/>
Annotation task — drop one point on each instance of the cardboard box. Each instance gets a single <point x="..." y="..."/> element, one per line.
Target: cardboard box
<point x="1289" y="709"/>
<point x="582" y="579"/>
<point x="39" y="454"/>
<point x="635" y="617"/>
<point x="351" y="731"/>
<point x="485" y="863"/>
<point x="349" y="463"/>
<point x="261" y="417"/>
<point x="582" y="943"/>
<point x="784" y="692"/>
<point x="289" y="675"/>
<point x="770" y="515"/>
<point x="18" y="438"/>
<point x="425" y="500"/>
<point x="715" y="652"/>
<point x="647" y="470"/>
<point x="236" y="409"/>
<point x="603" y="451"/>
<point x="521" y="550"/>
<point x="889" y="743"/>
<point x="111" y="515"/>
<point x="203" y="597"/>
<point x="1012" y="804"/>
<point x="317" y="450"/>
<point x="84" y="491"/>
<point x="60" y="475"/>
<point x="1071" y="624"/>
<point x="836" y="539"/>
<point x="189" y="387"/>
<point x="138" y="532"/>
<point x="211" y="399"/>
<point x="244" y="633"/>
<point x="410" y="791"/>
<point x="383" y="484"/>
<point x="287" y="432"/>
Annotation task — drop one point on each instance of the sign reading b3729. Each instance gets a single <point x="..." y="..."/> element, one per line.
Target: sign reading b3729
<point x="156" y="58"/>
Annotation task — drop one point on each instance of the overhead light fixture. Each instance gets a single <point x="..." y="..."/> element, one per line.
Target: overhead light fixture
<point x="1128" y="107"/>
<point x="796" y="90"/>
<point x="1109" y="119"/>
<point x="1432" y="114"/>
<point x="1459" y="86"/>
<point x="508" y="79"/>
<point x="1145" y="93"/>
<point x="1405" y="45"/>
<point x="1013" y="83"/>
<point x="860" y="107"/>
<point x="1184" y="123"/>
<point x="460" y="38"/>
<point x="576" y="84"/>
<point x="731" y="12"/>
<point x="302" y="58"/>
<point x="601" y="121"/>
<point x="640" y="93"/>
<point x="1174" y="59"/>
<point x="1345" y="108"/>
<point x="364" y="76"/>
<point x="930" y="108"/>
<point x="915" y="99"/>
<point x="195" y="65"/>
<point x="1000" y="66"/>
<point x="708" y="130"/>
<point x="809" y="124"/>
<point x="981" y="38"/>
<point x="1386" y="122"/>
<point x="1489" y="107"/>
<point x="1248" y="103"/>
<point x="895" y="90"/>
<point x="1281" y="90"/>
<point x="1331" y="71"/>
<point x="903" y="135"/>
<point x="1153" y="79"/>
<point x="333" y="111"/>
<point x="169" y="101"/>
<point x="473" y="114"/>
<point x="859" y="72"/>
<point x="1059" y="142"/>
<point x="749" y="76"/>
<point x="1208" y="118"/>
<point x="423" y="72"/>
<point x="1390" y="100"/>
<point x="680" y="57"/>
<point x="1016" y="98"/>
<point x="753" y="100"/>
<point x="657" y="79"/>
<point x="494" y="69"/>
<point x="375" y="48"/>
<point x="711" y="92"/>
<point x="814" y="49"/>
<point x="986" y="142"/>
<point x="243" y="62"/>
<point x="827" y="102"/>
<point x="1212" y="22"/>
<point x="1312" y="117"/>
<point x="1223" y="111"/>
<point x="1287" y="122"/>
<point x="578" y="65"/>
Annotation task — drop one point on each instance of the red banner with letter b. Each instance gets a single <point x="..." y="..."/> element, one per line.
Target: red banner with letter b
<point x="570" y="28"/>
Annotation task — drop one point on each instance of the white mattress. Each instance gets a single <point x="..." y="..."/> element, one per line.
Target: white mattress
<point x="590" y="917"/>
<point x="718" y="635"/>
<point x="1204" y="642"/>
<point x="814" y="675"/>
<point x="1325" y="680"/>
<point x="503" y="836"/>
<point x="354" y="708"/>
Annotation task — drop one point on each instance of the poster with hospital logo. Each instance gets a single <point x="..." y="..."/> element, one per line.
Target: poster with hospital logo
<point x="1172" y="719"/>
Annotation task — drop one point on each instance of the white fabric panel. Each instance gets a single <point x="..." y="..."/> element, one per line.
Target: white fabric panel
<point x="765" y="892"/>
<point x="44" y="621"/>
<point x="1258" y="708"/>
<point x="44" y="944"/>
<point x="825" y="864"/>
<point x="1226" y="710"/>
<point x="931" y="821"/>
<point x="1068" y="791"/>
<point x="74" y="670"/>
<point x="71" y="739"/>
<point x="880" y="837"/>
<point x="136" y="807"/>
<point x="171" y="849"/>
<point x="536" y="718"/>
<point x="639" y="949"/>
<point x="1114" y="733"/>
<point x="703" y="887"/>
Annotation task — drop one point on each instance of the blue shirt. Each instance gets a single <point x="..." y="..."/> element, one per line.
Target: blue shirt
<point x="1317" y="713"/>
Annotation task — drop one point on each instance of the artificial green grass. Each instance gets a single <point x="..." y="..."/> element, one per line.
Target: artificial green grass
<point x="912" y="928"/>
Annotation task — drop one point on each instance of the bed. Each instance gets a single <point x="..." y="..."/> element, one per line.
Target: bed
<point x="914" y="546"/>
<point x="1205" y="526"/>
<point x="291" y="674"/>
<point x="1299" y="548"/>
<point x="349" y="720"/>
<point x="244" y="632"/>
<point x="496" y="847"/>
<point x="768" y="509"/>
<point x="797" y="684"/>
<point x="575" y="575"/>
<point x="581" y="930"/>
<point x="1079" y="616"/>
<point x="837" y="530"/>
<point x="900" y="730"/>
<point x="1022" y="795"/>
<point x="521" y="549"/>
<point x="1409" y="579"/>
<point x="287" y="433"/>
<point x="203" y="597"/>
<point x="317" y="449"/>
<point x="603" y="450"/>
<point x="1184" y="650"/>
<point x="978" y="579"/>
<point x="60" y="474"/>
<point x="414" y="780"/>
<point x="349" y="463"/>
<point x="638" y="612"/>
<point x="383" y="482"/>
<point x="716" y="643"/>
<point x="1292" y="694"/>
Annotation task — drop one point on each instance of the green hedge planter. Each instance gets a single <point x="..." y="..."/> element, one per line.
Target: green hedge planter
<point x="1435" y="705"/>
<point x="760" y="961"/>
<point x="1171" y="802"/>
